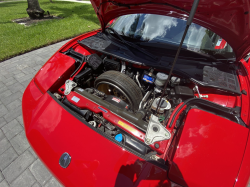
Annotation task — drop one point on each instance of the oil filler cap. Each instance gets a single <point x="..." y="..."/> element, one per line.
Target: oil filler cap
<point x="118" y="137"/>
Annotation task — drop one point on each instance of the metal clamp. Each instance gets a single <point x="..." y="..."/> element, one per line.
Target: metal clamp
<point x="69" y="86"/>
<point x="155" y="131"/>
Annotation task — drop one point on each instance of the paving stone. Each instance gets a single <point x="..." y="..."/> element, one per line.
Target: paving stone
<point x="5" y="94"/>
<point x="18" y="166"/>
<point x="6" y="74"/>
<point x="20" y="143"/>
<point x="2" y="122"/>
<point x="11" y="129"/>
<point x="9" y="66"/>
<point x="11" y="78"/>
<point x="16" y="72"/>
<point x="31" y="63"/>
<point x="21" y="66"/>
<point x="1" y="177"/>
<point x="20" y="119"/>
<point x="17" y="76"/>
<point x="26" y="179"/>
<point x="33" y="152"/>
<point x="28" y="70"/>
<point x="37" y="67"/>
<point x="13" y="114"/>
<point x="3" y="89"/>
<point x="7" y="158"/>
<point x="9" y="83"/>
<point x="25" y="78"/>
<point x="40" y="172"/>
<point x="15" y="87"/>
<point x="23" y="89"/>
<point x="3" y="110"/>
<point x="40" y="62"/>
<point x="1" y="83"/>
<point x="1" y="135"/>
<point x="14" y="104"/>
<point x="36" y="185"/>
<point x="11" y="98"/>
<point x="53" y="183"/>
<point x="13" y="70"/>
<point x="26" y="83"/>
<point x="4" y="183"/>
<point x="4" y="145"/>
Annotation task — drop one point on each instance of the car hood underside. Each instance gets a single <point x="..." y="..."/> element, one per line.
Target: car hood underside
<point x="227" y="18"/>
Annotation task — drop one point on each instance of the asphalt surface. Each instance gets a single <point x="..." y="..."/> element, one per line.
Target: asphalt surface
<point x="19" y="165"/>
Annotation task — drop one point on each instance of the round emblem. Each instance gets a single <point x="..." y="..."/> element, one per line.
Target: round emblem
<point x="64" y="160"/>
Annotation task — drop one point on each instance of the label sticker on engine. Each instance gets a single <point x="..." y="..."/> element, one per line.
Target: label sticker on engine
<point x="127" y="127"/>
<point x="102" y="109"/>
<point x="116" y="100"/>
<point x="148" y="79"/>
<point x="76" y="99"/>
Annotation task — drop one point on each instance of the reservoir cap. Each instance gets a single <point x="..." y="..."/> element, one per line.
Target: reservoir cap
<point x="118" y="137"/>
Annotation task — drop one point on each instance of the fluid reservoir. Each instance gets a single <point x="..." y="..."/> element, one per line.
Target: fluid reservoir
<point x="174" y="81"/>
<point x="161" y="79"/>
<point x="164" y="105"/>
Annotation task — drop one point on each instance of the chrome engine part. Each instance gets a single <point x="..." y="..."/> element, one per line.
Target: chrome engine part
<point x="155" y="131"/>
<point x="164" y="105"/>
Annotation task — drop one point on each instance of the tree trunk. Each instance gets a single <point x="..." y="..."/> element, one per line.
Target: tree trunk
<point x="34" y="10"/>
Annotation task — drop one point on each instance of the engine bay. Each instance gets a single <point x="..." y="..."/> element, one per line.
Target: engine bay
<point x="122" y="100"/>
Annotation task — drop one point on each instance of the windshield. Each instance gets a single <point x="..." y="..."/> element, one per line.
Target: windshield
<point x="169" y="30"/>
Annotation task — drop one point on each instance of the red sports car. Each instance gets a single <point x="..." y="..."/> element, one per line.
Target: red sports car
<point x="159" y="96"/>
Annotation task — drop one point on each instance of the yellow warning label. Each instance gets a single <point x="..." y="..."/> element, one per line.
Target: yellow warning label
<point x="132" y="130"/>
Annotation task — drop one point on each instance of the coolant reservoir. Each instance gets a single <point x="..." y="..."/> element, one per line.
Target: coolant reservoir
<point x="161" y="79"/>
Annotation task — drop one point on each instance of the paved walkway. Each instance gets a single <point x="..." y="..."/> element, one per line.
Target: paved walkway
<point x="19" y="165"/>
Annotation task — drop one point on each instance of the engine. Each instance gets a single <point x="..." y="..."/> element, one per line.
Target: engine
<point x="135" y="88"/>
<point x="125" y="101"/>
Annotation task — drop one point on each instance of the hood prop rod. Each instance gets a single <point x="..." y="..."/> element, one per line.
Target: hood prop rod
<point x="189" y="21"/>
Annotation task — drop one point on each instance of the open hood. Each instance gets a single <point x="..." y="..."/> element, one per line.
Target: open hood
<point x="227" y="18"/>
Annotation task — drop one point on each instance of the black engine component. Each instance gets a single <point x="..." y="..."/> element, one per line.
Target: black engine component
<point x="94" y="61"/>
<point x="75" y="55"/>
<point x="226" y="79"/>
<point x="120" y="85"/>
<point x="96" y="92"/>
<point x="81" y="112"/>
<point x="182" y="92"/>
<point x="136" y="145"/>
<point x="110" y="64"/>
<point x="79" y="59"/>
<point x="116" y="101"/>
<point x="83" y="76"/>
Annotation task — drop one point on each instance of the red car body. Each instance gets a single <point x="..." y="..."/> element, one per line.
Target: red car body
<point x="207" y="151"/>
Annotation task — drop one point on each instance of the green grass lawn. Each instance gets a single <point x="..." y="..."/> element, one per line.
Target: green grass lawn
<point x="16" y="39"/>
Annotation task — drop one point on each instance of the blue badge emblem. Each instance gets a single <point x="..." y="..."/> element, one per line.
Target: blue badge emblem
<point x="64" y="160"/>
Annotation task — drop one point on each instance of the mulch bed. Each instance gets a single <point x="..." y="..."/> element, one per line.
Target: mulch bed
<point x="28" y="21"/>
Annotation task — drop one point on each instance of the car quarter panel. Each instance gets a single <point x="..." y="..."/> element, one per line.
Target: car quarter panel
<point x="209" y="152"/>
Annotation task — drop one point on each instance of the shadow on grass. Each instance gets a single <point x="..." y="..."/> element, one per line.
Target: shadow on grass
<point x="84" y="11"/>
<point x="10" y="4"/>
